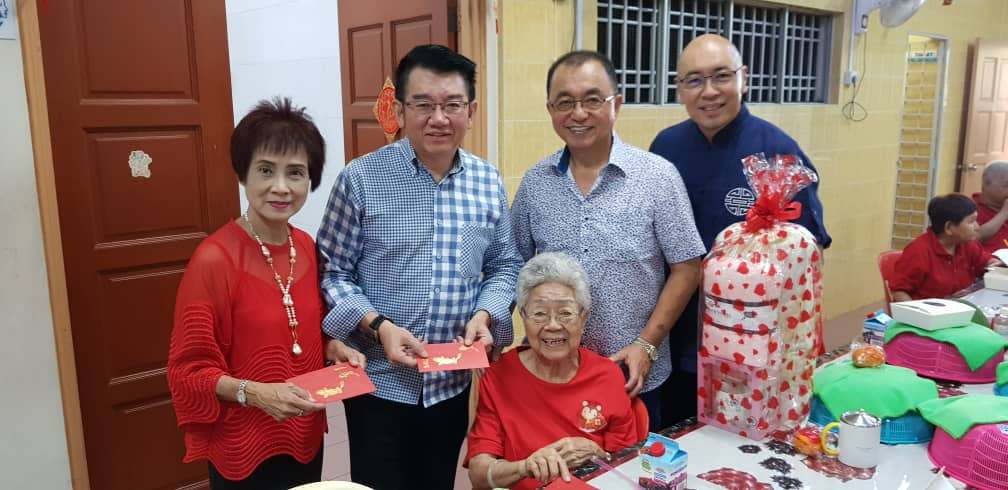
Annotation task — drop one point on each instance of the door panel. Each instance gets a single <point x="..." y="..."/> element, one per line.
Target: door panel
<point x="986" y="136"/>
<point x="125" y="76"/>
<point x="373" y="38"/>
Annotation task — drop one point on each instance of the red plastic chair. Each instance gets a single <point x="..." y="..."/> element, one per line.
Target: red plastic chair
<point x="640" y="418"/>
<point x="887" y="267"/>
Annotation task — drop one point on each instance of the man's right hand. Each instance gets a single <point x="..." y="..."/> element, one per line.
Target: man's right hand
<point x="401" y="347"/>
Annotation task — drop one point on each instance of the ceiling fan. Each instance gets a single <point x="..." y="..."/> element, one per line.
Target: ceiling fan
<point x="892" y="13"/>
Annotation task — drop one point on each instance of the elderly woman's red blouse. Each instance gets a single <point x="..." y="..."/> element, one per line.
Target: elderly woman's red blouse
<point x="519" y="413"/>
<point x="229" y="319"/>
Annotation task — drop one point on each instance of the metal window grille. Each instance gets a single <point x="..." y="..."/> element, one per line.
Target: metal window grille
<point x="786" y="50"/>
<point x="629" y="37"/>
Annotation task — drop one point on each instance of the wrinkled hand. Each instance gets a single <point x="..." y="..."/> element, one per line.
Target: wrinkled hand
<point x="577" y="451"/>
<point x="478" y="328"/>
<point x="281" y="400"/>
<point x="546" y="465"/>
<point x="337" y="351"/>
<point x="401" y="347"/>
<point x="638" y="364"/>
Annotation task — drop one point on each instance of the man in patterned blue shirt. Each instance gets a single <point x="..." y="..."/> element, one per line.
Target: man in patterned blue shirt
<point x="417" y="246"/>
<point x="623" y="213"/>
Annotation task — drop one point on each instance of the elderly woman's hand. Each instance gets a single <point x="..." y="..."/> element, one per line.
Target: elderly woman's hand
<point x="577" y="451"/>
<point x="281" y="400"/>
<point x="337" y="351"/>
<point x="546" y="465"/>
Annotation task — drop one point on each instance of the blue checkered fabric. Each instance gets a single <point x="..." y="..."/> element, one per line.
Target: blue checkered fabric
<point x="425" y="254"/>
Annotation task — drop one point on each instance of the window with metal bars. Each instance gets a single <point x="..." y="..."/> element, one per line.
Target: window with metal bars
<point x="787" y="50"/>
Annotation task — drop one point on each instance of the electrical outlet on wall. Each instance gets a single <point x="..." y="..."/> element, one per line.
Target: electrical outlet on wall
<point x="850" y="78"/>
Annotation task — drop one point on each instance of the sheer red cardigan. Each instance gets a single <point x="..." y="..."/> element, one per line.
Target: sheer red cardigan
<point x="229" y="320"/>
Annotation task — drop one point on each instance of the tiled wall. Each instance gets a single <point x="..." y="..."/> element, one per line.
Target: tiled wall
<point x="856" y="161"/>
<point x="913" y="170"/>
<point x="298" y="56"/>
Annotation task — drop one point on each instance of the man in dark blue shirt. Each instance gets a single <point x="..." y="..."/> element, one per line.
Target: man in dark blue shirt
<point x="708" y="150"/>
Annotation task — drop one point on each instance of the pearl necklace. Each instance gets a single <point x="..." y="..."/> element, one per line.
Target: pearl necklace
<point x="286" y="299"/>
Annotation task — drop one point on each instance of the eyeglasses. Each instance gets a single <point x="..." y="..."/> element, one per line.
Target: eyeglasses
<point x="426" y="108"/>
<point x="590" y="103"/>
<point x="541" y="317"/>
<point x="722" y="78"/>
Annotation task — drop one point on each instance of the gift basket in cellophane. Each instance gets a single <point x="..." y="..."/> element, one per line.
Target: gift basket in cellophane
<point x="760" y="309"/>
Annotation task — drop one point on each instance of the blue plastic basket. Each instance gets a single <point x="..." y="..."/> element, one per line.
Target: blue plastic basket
<point x="1001" y="390"/>
<point x="907" y="429"/>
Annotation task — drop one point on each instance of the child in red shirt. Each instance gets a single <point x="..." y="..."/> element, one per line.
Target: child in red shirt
<point x="944" y="259"/>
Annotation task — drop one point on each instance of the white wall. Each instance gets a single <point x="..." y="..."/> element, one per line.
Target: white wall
<point x="291" y="48"/>
<point x="33" y="451"/>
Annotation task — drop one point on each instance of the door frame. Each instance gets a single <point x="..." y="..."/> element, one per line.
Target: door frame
<point x="45" y="186"/>
<point x="939" y="109"/>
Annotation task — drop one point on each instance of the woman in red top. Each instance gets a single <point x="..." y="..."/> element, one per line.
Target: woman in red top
<point x="579" y="405"/>
<point x="248" y="316"/>
<point x="945" y="258"/>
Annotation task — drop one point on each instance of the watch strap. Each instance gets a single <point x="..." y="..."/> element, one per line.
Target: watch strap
<point x="376" y="323"/>
<point x="240" y="396"/>
<point x="650" y="349"/>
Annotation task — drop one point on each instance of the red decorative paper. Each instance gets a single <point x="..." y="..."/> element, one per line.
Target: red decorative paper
<point x="453" y="356"/>
<point x="734" y="479"/>
<point x="833" y="468"/>
<point x="337" y="382"/>
<point x="384" y="110"/>
<point x="574" y="483"/>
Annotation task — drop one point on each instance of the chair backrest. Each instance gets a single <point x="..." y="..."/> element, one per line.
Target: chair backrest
<point x="887" y="267"/>
<point x="640" y="417"/>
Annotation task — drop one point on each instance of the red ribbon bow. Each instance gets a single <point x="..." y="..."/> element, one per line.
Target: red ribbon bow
<point x="769" y="209"/>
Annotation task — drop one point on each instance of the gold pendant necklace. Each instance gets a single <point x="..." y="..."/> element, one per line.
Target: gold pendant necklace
<point x="286" y="299"/>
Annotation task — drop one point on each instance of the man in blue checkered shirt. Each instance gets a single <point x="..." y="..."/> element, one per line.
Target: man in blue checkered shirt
<point x="416" y="246"/>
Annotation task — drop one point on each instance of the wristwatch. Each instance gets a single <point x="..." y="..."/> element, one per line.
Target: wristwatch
<point x="241" y="392"/>
<point x="649" y="349"/>
<point x="376" y="323"/>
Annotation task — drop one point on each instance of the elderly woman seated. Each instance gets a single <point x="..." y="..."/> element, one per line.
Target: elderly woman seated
<point x="551" y="406"/>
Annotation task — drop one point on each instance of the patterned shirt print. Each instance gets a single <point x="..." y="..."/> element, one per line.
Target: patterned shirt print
<point x="636" y="219"/>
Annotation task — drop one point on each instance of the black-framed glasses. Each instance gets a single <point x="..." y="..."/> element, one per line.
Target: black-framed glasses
<point x="426" y="107"/>
<point x="590" y="103"/>
<point x="722" y="78"/>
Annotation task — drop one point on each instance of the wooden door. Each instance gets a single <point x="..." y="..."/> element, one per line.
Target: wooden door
<point x="140" y="114"/>
<point x="986" y="136"/>
<point x="373" y="38"/>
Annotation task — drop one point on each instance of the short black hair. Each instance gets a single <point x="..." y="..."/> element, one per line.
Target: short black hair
<point x="578" y="58"/>
<point x="277" y="126"/>
<point x="951" y="208"/>
<point x="440" y="60"/>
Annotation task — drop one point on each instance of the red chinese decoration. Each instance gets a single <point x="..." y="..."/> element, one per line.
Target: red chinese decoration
<point x="384" y="111"/>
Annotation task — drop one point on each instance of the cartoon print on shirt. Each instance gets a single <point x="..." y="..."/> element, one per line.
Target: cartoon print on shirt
<point x="591" y="416"/>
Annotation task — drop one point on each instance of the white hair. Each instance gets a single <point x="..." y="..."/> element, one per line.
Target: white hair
<point x="554" y="267"/>
<point x="994" y="170"/>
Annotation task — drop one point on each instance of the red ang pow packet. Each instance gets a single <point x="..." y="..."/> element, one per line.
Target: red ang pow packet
<point x="333" y="383"/>
<point x="574" y="484"/>
<point x="453" y="356"/>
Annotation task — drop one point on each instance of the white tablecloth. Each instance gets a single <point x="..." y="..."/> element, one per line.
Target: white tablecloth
<point x="988" y="300"/>
<point x="903" y="467"/>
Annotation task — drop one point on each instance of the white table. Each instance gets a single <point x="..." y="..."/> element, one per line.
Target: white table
<point x="903" y="467"/>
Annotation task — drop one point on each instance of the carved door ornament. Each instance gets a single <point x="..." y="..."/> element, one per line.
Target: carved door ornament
<point x="139" y="163"/>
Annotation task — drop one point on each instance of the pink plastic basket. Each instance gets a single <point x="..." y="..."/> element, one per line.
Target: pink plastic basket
<point x="934" y="359"/>
<point x="979" y="459"/>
